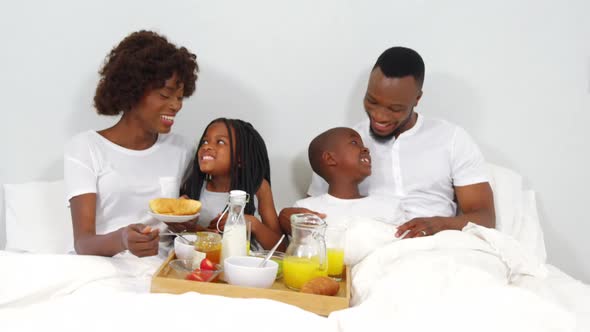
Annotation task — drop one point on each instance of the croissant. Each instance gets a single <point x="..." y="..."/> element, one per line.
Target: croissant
<point x="175" y="206"/>
<point x="321" y="286"/>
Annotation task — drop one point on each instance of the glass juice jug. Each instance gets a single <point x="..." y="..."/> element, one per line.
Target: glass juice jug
<point x="305" y="257"/>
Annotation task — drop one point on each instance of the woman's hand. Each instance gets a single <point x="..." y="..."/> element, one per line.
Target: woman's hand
<point x="187" y="226"/>
<point x="140" y="240"/>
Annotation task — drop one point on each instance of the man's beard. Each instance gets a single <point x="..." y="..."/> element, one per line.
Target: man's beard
<point x="379" y="138"/>
<point x="395" y="132"/>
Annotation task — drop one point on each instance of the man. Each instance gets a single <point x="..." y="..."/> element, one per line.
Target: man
<point x="432" y="166"/>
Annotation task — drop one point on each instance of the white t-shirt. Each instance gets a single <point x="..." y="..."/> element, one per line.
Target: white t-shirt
<point x="420" y="167"/>
<point x="212" y="204"/>
<point x="340" y="211"/>
<point x="124" y="180"/>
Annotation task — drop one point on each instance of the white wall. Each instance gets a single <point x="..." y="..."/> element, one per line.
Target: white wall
<point x="515" y="74"/>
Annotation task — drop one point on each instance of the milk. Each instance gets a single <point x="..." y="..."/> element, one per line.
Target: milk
<point x="234" y="241"/>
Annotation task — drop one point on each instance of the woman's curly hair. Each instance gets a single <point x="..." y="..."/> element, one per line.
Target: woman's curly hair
<point x="143" y="61"/>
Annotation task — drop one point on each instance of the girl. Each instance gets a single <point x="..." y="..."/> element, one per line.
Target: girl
<point x="232" y="155"/>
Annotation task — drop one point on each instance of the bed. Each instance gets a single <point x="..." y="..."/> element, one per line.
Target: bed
<point x="475" y="279"/>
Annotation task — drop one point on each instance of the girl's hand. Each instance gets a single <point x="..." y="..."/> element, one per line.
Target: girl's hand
<point x="213" y="223"/>
<point x="140" y="240"/>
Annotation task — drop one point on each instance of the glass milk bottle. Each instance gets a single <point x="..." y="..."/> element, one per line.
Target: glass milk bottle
<point x="234" y="241"/>
<point x="305" y="257"/>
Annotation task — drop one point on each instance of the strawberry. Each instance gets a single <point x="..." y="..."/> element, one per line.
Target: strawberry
<point x="201" y="275"/>
<point x="195" y="276"/>
<point x="207" y="265"/>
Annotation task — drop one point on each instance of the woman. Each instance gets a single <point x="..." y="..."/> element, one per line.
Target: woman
<point x="112" y="174"/>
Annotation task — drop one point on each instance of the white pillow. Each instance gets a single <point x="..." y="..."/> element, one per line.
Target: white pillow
<point x="516" y="210"/>
<point x="507" y="188"/>
<point x="528" y="231"/>
<point x="37" y="218"/>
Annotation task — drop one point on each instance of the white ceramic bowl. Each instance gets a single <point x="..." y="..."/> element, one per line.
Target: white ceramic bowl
<point x="183" y="249"/>
<point x="244" y="271"/>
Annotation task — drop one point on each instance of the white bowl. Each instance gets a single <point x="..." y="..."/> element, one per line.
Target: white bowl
<point x="244" y="271"/>
<point x="184" y="250"/>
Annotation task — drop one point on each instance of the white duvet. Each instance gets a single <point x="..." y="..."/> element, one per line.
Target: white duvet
<point x="475" y="280"/>
<point x="454" y="281"/>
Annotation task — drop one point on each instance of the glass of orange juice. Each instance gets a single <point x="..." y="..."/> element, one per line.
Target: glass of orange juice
<point x="335" y="248"/>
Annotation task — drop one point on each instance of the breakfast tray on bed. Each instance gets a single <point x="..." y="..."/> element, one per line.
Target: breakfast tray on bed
<point x="165" y="280"/>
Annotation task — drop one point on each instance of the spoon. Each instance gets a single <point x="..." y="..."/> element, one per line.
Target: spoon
<point x="178" y="234"/>
<point x="272" y="251"/>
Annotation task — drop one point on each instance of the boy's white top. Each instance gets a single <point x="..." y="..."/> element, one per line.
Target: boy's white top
<point x="124" y="180"/>
<point x="420" y="167"/>
<point x="340" y="211"/>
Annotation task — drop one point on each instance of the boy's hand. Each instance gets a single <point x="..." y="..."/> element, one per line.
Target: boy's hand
<point x="285" y="217"/>
<point x="140" y="240"/>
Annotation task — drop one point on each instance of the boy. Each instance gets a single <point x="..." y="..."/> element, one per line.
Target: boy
<point x="339" y="157"/>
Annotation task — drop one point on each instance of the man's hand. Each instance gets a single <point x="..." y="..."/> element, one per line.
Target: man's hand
<point x="476" y="202"/>
<point x="285" y="217"/>
<point x="140" y="240"/>
<point x="418" y="227"/>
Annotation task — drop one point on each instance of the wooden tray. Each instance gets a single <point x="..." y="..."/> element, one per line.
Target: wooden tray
<point x="166" y="280"/>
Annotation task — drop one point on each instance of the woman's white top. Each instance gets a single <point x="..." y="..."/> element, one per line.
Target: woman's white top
<point x="124" y="180"/>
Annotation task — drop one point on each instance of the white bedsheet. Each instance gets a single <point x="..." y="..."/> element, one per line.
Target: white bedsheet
<point x="475" y="280"/>
<point x="478" y="279"/>
<point x="73" y="293"/>
<point x="39" y="277"/>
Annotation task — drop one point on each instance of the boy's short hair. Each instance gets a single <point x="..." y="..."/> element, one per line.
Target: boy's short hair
<point x="318" y="146"/>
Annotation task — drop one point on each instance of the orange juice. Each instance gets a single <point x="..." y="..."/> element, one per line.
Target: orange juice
<point x="299" y="270"/>
<point x="335" y="262"/>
